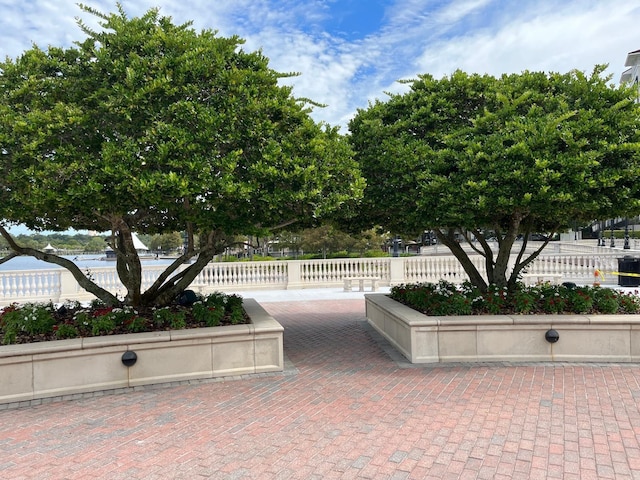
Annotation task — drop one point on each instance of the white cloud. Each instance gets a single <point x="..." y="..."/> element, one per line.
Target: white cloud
<point x="550" y="39"/>
<point x="418" y="36"/>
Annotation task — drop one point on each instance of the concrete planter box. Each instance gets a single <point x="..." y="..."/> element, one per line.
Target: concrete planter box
<point x="504" y="338"/>
<point x="66" y="367"/>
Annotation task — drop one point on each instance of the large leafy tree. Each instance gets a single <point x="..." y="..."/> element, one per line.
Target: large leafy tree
<point x="478" y="156"/>
<point x="152" y="127"/>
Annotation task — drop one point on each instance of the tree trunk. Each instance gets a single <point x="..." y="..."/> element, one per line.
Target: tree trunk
<point x="128" y="263"/>
<point x="448" y="239"/>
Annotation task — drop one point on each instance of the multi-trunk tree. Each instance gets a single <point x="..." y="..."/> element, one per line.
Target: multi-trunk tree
<point x="150" y="127"/>
<point x="477" y="157"/>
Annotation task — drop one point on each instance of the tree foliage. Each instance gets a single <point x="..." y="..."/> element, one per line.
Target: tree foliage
<point x="483" y="156"/>
<point x="152" y="127"/>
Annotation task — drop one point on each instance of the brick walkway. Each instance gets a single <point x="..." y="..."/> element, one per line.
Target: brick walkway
<point x="345" y="408"/>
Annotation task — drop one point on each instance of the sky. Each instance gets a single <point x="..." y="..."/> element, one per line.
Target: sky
<point x="350" y="52"/>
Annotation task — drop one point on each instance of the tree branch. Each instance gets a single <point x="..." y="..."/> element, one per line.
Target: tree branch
<point x="78" y="275"/>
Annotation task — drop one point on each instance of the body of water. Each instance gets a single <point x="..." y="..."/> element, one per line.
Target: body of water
<point x="83" y="261"/>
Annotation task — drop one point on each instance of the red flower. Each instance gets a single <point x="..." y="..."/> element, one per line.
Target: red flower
<point x="100" y="312"/>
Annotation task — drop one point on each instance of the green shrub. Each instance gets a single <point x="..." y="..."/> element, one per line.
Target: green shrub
<point x="30" y="318"/>
<point x="523" y="301"/>
<point x="167" y="318"/>
<point x="137" y="324"/>
<point x="580" y="300"/>
<point x="552" y="298"/>
<point x="42" y="321"/>
<point x="495" y="300"/>
<point x="236" y="315"/>
<point x="210" y="315"/>
<point x="66" y="330"/>
<point x="446" y="298"/>
<point x="629" y="303"/>
<point x="606" y="300"/>
<point x="102" y="325"/>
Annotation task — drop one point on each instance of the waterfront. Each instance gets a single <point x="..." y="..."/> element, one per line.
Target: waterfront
<point x="95" y="260"/>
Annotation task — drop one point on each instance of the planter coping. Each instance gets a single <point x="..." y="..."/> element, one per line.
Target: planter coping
<point x="413" y="318"/>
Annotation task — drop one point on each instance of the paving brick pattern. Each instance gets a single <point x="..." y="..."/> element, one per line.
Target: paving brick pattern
<point x="345" y="408"/>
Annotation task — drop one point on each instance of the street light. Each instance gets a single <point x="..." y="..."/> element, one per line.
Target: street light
<point x="626" y="234"/>
<point x="396" y="246"/>
<point x="613" y="242"/>
<point x="600" y="237"/>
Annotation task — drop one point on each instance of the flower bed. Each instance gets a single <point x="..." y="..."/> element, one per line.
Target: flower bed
<point x="509" y="336"/>
<point x="40" y="322"/>
<point x="60" y="368"/>
<point x="445" y="298"/>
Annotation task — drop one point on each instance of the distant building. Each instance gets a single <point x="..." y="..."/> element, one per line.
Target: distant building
<point x="631" y="74"/>
<point x="140" y="247"/>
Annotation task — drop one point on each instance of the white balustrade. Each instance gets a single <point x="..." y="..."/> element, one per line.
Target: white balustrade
<point x="29" y="285"/>
<point x="59" y="285"/>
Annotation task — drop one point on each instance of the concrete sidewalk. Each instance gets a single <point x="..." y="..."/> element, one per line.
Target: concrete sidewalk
<point x="346" y="407"/>
<point x="308" y="294"/>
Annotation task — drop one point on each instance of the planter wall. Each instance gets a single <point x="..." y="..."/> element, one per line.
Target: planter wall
<point x="65" y="367"/>
<point x="504" y="338"/>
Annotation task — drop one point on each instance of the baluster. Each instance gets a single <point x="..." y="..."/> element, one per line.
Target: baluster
<point x="215" y="275"/>
<point x="238" y="273"/>
<point x="34" y="284"/>
<point x="225" y="279"/>
<point x="13" y="288"/>
<point x="229" y="276"/>
<point x="264" y="274"/>
<point x="437" y="270"/>
<point x="254" y="275"/>
<point x="416" y="271"/>
<point x="424" y="267"/>
<point x="241" y="272"/>
<point x="269" y="273"/>
<point x="55" y="284"/>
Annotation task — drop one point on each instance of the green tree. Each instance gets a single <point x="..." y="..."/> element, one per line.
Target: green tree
<point x="152" y="127"/>
<point x="325" y="239"/>
<point x="480" y="156"/>
<point x="166" y="242"/>
<point x="95" y="244"/>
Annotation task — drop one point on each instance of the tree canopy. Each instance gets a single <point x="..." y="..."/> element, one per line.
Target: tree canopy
<point x="152" y="127"/>
<point x="480" y="156"/>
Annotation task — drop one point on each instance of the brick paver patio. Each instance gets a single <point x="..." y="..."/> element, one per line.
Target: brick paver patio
<point x="346" y="407"/>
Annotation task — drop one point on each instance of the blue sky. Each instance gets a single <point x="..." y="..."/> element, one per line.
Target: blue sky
<point x="349" y="52"/>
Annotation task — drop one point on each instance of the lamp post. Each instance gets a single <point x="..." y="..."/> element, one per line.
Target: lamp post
<point x="396" y="246"/>
<point x="600" y="238"/>
<point x="626" y="234"/>
<point x="613" y="241"/>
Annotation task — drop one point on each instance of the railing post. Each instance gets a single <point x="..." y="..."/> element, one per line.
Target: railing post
<point x="69" y="288"/>
<point x="396" y="270"/>
<point x="294" y="274"/>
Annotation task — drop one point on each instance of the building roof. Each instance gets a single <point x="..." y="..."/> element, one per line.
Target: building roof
<point x="627" y="76"/>
<point x="633" y="58"/>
